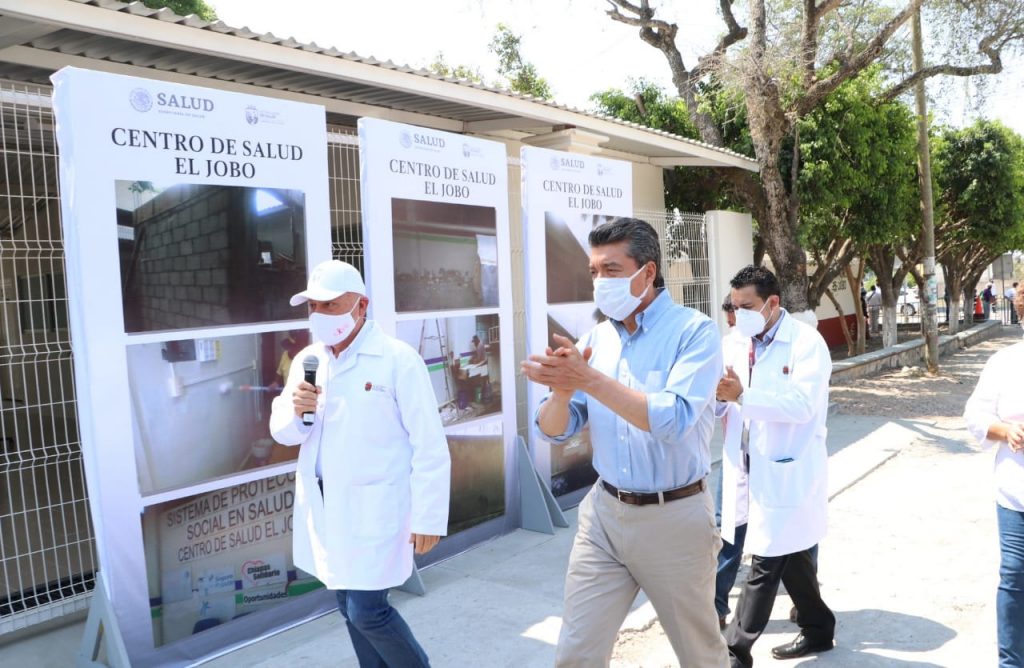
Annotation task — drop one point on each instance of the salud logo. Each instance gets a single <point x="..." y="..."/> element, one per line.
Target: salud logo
<point x="405" y="139"/>
<point x="252" y="115"/>
<point x="140" y="99"/>
<point x="554" y="163"/>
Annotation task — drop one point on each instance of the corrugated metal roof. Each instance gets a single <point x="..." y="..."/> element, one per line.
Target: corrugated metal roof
<point x="126" y="49"/>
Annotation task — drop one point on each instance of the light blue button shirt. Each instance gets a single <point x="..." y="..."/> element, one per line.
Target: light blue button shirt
<point x="675" y="357"/>
<point x="761" y="344"/>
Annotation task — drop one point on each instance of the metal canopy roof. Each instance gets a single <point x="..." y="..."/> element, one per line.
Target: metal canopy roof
<point x="41" y="36"/>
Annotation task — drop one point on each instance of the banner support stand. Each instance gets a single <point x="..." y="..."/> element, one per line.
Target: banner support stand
<point x="414" y="585"/>
<point x="101" y="631"/>
<point x="538" y="510"/>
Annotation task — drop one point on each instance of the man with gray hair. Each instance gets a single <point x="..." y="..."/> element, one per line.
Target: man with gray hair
<point x="374" y="475"/>
<point x="645" y="382"/>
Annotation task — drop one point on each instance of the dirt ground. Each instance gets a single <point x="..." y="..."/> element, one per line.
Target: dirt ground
<point x="910" y="392"/>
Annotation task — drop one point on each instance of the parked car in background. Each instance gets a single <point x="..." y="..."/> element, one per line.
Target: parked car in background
<point x="909" y="302"/>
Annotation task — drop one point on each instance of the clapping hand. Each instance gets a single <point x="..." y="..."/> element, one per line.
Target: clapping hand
<point x="564" y="369"/>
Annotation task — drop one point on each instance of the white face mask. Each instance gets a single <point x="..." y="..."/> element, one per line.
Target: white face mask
<point x="614" y="297"/>
<point x="750" y="323"/>
<point x="332" y="329"/>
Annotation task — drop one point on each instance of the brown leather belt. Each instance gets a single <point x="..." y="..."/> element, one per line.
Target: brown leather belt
<point x="647" y="498"/>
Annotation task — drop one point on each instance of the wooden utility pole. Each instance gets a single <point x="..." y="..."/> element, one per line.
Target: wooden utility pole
<point x="929" y="291"/>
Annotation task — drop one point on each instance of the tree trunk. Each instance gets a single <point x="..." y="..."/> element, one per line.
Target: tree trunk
<point x="768" y="127"/>
<point x="954" y="286"/>
<point x="889" y="299"/>
<point x="854" y="280"/>
<point x="890" y="279"/>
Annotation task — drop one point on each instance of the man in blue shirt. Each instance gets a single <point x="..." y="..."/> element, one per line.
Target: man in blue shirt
<point x="645" y="382"/>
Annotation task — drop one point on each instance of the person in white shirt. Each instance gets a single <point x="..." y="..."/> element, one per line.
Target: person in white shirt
<point x="732" y="517"/>
<point x="1011" y="296"/>
<point x="874" y="301"/>
<point x="373" y="475"/>
<point x="995" y="417"/>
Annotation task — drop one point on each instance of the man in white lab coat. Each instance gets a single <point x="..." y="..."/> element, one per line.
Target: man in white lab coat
<point x="374" y="472"/>
<point x="778" y="383"/>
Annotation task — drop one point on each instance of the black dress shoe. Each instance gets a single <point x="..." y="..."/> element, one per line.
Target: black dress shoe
<point x="801" y="646"/>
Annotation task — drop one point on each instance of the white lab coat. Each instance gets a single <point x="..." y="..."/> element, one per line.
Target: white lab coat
<point x="786" y="405"/>
<point x="385" y="463"/>
<point x="735" y="509"/>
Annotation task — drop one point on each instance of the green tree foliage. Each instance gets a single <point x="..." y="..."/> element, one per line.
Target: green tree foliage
<point x="519" y="74"/>
<point x="647" y="104"/>
<point x="858" y="191"/>
<point x="981" y="184"/>
<point x="979" y="175"/>
<point x="185" y="7"/>
<point x="686" y="188"/>
<point x="441" y="67"/>
<point x="857" y="174"/>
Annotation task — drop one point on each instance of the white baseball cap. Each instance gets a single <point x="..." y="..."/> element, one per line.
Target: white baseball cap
<point x="329" y="280"/>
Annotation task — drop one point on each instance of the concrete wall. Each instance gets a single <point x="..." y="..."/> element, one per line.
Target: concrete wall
<point x="730" y="248"/>
<point x="648" y="187"/>
<point x="181" y="276"/>
<point x="910" y="353"/>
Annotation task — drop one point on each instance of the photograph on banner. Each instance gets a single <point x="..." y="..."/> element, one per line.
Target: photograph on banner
<point x="568" y="255"/>
<point x="478" y="473"/>
<point x="446" y="255"/>
<point x="463" y="356"/>
<point x="571" y="462"/>
<point x="216" y="556"/>
<point x="195" y="255"/>
<point x="200" y="407"/>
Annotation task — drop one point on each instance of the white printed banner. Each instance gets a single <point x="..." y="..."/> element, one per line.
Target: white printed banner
<point x="189" y="217"/>
<point x="435" y="220"/>
<point x="565" y="195"/>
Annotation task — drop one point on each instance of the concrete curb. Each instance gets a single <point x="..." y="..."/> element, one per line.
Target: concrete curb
<point x="909" y="353"/>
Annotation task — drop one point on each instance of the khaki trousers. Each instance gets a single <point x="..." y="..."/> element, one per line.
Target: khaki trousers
<point x="670" y="551"/>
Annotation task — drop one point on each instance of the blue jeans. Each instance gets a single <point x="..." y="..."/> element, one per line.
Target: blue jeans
<point x="1010" y="596"/>
<point x="728" y="559"/>
<point x="728" y="565"/>
<point x="379" y="635"/>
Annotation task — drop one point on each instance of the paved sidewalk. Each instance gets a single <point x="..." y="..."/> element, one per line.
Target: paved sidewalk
<point x="909" y="566"/>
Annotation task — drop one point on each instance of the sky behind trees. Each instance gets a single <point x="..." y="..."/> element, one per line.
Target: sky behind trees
<point x="574" y="45"/>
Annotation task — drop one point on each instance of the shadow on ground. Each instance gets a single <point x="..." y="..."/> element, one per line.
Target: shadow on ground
<point x="868" y="638"/>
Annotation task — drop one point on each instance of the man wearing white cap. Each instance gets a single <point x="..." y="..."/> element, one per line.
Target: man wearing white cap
<point x="373" y="472"/>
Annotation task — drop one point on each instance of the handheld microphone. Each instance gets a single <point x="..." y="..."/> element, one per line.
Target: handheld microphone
<point x="309" y="365"/>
